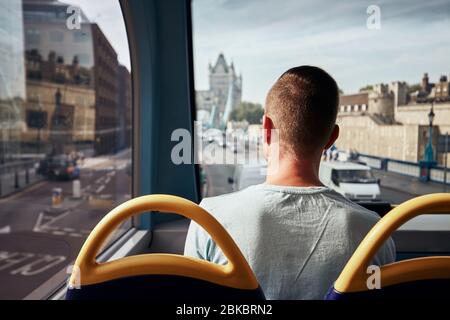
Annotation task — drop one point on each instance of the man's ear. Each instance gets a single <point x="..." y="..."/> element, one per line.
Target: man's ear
<point x="333" y="137"/>
<point x="267" y="129"/>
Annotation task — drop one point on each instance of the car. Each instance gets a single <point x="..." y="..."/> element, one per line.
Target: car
<point x="354" y="181"/>
<point x="59" y="167"/>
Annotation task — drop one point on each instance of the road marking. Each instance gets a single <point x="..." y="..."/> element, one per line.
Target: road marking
<point x="43" y="225"/>
<point x="61" y="232"/>
<point x="105" y="179"/>
<point x="122" y="166"/>
<point x="100" y="189"/>
<point x="44" y="221"/>
<point x="100" y="180"/>
<point x="38" y="224"/>
<point x="111" y="174"/>
<point x="49" y="220"/>
<point x="75" y="235"/>
<point x="5" y="230"/>
<point x="9" y="259"/>
<point x="14" y="262"/>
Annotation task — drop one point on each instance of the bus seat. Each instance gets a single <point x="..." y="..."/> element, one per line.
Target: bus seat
<point x="420" y="278"/>
<point x="161" y="276"/>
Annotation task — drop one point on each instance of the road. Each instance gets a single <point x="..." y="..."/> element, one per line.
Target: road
<point x="38" y="240"/>
<point x="224" y="162"/>
<point x="395" y="196"/>
<point x="395" y="188"/>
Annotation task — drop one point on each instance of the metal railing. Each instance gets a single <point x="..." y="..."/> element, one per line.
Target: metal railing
<point x="411" y="169"/>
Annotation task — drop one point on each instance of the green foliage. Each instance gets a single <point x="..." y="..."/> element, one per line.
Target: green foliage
<point x="366" y="88"/>
<point x="414" y="87"/>
<point x="252" y="112"/>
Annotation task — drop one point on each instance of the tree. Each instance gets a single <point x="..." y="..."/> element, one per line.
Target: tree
<point x="366" y="88"/>
<point x="252" y="112"/>
<point x="414" y="88"/>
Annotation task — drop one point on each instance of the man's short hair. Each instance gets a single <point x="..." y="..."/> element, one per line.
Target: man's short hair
<point x="303" y="106"/>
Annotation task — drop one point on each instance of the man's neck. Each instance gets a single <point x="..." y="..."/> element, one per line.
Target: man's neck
<point x="294" y="173"/>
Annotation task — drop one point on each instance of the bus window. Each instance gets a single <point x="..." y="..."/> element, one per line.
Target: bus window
<point x="65" y="133"/>
<point x="389" y="61"/>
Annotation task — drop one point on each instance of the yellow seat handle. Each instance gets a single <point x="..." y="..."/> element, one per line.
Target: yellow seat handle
<point x="354" y="276"/>
<point x="236" y="273"/>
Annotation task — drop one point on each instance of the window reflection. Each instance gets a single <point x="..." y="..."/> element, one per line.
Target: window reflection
<point x="394" y="110"/>
<point x="65" y="137"/>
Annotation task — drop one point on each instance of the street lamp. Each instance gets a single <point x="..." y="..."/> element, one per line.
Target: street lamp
<point x="429" y="153"/>
<point x="431" y="115"/>
<point x="40" y="124"/>
<point x="428" y="161"/>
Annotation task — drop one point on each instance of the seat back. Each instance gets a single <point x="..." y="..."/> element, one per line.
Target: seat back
<point x="415" y="278"/>
<point x="161" y="276"/>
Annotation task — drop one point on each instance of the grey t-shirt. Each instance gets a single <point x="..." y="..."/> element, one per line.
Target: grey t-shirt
<point x="297" y="240"/>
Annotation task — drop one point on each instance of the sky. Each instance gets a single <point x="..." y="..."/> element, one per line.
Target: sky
<point x="108" y="15"/>
<point x="266" y="37"/>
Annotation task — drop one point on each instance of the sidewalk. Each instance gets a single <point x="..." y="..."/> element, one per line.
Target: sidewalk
<point x="89" y="163"/>
<point x="408" y="184"/>
<point x="9" y="185"/>
<point x="94" y="162"/>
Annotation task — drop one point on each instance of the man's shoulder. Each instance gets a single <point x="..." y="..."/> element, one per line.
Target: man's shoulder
<point x="233" y="199"/>
<point x="352" y="209"/>
<point x="361" y="220"/>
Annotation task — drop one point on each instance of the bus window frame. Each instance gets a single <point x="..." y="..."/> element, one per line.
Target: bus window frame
<point x="132" y="240"/>
<point x="160" y="110"/>
<point x="143" y="35"/>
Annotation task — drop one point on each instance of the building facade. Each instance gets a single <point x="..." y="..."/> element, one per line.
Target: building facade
<point x="392" y="120"/>
<point x="125" y="108"/>
<point x="12" y="77"/>
<point x="106" y="75"/>
<point x="58" y="119"/>
<point x="78" y="63"/>
<point x="59" y="115"/>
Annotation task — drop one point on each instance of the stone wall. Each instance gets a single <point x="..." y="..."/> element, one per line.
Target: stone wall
<point x="418" y="114"/>
<point x="400" y="133"/>
<point x="363" y="134"/>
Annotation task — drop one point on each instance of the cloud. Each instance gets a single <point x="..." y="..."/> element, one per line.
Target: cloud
<point x="265" y="38"/>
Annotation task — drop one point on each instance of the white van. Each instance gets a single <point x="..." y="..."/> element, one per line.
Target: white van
<point x="354" y="181"/>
